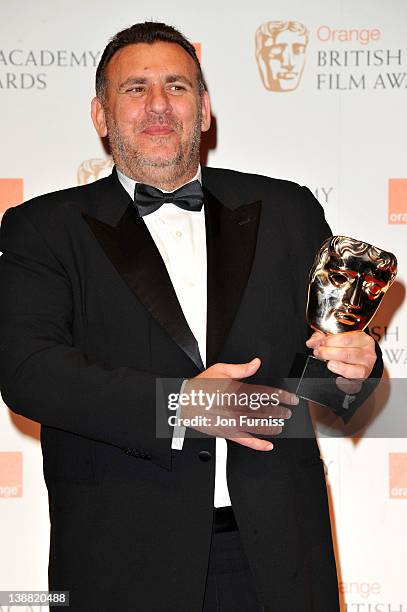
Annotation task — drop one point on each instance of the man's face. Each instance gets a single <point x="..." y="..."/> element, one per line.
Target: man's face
<point x="282" y="61"/>
<point x="346" y="293"/>
<point x="153" y="113"/>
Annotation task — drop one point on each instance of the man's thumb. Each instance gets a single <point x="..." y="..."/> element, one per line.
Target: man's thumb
<point x="243" y="370"/>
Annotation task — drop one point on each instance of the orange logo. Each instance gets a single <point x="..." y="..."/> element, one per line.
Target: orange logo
<point x="280" y="54"/>
<point x="397" y="200"/>
<point x="11" y="193"/>
<point x="398" y="475"/>
<point x="11" y="474"/>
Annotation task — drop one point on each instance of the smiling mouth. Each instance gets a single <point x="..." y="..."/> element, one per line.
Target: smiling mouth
<point x="158" y="130"/>
<point x="348" y="318"/>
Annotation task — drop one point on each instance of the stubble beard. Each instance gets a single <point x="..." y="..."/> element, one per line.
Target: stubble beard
<point x="165" y="173"/>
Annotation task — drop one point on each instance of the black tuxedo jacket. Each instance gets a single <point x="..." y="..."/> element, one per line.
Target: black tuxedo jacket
<point x="89" y="320"/>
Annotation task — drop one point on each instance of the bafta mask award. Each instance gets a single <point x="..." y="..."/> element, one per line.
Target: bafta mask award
<point x="347" y="284"/>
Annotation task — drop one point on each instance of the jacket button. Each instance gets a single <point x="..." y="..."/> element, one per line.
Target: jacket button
<point x="205" y="455"/>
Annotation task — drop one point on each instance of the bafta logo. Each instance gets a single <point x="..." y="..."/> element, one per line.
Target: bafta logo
<point x="280" y="54"/>
<point x="91" y="170"/>
<point x="347" y="284"/>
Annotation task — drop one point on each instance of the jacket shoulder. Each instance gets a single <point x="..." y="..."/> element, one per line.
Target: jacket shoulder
<point x="57" y="203"/>
<point x="236" y="177"/>
<point x="244" y="186"/>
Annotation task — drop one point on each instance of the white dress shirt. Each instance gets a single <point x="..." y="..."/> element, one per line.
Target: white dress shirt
<point x="180" y="238"/>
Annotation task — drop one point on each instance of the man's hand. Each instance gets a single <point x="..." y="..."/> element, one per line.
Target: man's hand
<point x="351" y="355"/>
<point x="224" y="378"/>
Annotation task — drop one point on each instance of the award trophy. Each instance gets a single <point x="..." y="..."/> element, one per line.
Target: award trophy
<point x="347" y="284"/>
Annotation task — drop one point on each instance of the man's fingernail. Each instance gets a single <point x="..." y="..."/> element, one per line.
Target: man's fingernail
<point x="316" y="352"/>
<point x="269" y="446"/>
<point x="294" y="400"/>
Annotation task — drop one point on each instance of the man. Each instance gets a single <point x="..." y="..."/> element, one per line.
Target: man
<point x="103" y="296"/>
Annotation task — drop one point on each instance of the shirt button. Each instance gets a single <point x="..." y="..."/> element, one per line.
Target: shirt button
<point x="205" y="455"/>
<point x="178" y="234"/>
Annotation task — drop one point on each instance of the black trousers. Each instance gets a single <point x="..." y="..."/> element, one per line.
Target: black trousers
<point x="229" y="584"/>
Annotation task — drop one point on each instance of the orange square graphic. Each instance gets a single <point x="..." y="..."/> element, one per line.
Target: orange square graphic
<point x="11" y="474"/>
<point x="198" y="50"/>
<point x="398" y="475"/>
<point x="397" y="200"/>
<point x="11" y="193"/>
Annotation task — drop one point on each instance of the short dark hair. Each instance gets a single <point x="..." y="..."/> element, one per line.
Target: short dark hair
<point x="148" y="32"/>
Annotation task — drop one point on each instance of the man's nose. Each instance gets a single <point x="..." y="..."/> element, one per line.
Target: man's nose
<point x="158" y="100"/>
<point x="355" y="293"/>
<point x="288" y="59"/>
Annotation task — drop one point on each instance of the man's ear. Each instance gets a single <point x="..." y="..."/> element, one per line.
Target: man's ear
<point x="98" y="117"/>
<point x="206" y="112"/>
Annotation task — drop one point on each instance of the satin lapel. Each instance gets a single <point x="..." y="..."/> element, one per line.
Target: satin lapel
<point x="231" y="237"/>
<point x="133" y="253"/>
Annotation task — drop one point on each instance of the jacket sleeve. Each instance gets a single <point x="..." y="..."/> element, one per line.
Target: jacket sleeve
<point x="368" y="386"/>
<point x="43" y="376"/>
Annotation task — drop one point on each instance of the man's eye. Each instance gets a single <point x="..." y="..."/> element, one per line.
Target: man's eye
<point x="175" y="87"/>
<point x="275" y="50"/>
<point x="337" y="278"/>
<point x="373" y="289"/>
<point x="298" y="49"/>
<point x="135" y="89"/>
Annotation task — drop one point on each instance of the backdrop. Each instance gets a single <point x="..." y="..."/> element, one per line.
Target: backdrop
<point x="313" y="92"/>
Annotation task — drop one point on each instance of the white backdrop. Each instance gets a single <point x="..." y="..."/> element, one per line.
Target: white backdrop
<point x="342" y="132"/>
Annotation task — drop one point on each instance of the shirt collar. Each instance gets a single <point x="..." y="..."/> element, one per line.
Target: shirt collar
<point x="129" y="184"/>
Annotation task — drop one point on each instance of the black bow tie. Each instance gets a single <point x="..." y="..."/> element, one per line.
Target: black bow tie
<point x="149" y="199"/>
